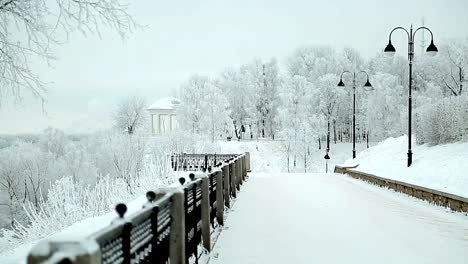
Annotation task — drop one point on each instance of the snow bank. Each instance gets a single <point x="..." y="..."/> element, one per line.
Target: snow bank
<point x="440" y="167"/>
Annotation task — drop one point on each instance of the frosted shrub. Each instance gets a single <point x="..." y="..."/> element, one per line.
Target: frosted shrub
<point x="69" y="202"/>
<point x="443" y="122"/>
<point x="95" y="174"/>
<point x="26" y="172"/>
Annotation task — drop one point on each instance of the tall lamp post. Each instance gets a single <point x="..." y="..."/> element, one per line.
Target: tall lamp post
<point x="367" y="84"/>
<point x="390" y="50"/>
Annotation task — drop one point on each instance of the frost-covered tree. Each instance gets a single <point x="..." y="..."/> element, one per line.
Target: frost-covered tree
<point x="348" y="59"/>
<point x="327" y="96"/>
<point x="396" y="66"/>
<point x="236" y="89"/>
<point x="447" y="70"/>
<point x="313" y="62"/>
<point x="292" y="114"/>
<point x="53" y="141"/>
<point x="26" y="172"/>
<point x="384" y="106"/>
<point x="130" y="115"/>
<point x="31" y="29"/>
<point x="191" y="110"/>
<point x="128" y="153"/>
<point x="77" y="164"/>
<point x="456" y="55"/>
<point x="442" y="121"/>
<point x="204" y="108"/>
<point x="216" y="120"/>
<point x="299" y="123"/>
<point x="264" y="80"/>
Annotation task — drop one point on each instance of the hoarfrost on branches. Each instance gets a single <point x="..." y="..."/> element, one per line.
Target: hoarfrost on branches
<point x="30" y="30"/>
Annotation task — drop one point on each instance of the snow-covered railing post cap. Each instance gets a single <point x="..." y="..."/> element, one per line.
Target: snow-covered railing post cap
<point x="79" y="251"/>
<point x="182" y="180"/>
<point x="199" y="175"/>
<point x="151" y="196"/>
<point x="121" y="209"/>
<point x="218" y="167"/>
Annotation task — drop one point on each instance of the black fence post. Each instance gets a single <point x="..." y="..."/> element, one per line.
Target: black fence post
<point x="126" y="232"/>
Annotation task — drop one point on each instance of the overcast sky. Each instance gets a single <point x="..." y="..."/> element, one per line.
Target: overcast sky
<point x="206" y="36"/>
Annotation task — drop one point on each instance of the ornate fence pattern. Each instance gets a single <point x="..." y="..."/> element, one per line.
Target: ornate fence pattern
<point x="197" y="162"/>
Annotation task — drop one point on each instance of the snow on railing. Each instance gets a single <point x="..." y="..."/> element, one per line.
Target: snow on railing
<point x="171" y="226"/>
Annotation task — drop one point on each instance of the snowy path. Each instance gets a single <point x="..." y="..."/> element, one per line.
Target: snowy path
<point x="317" y="218"/>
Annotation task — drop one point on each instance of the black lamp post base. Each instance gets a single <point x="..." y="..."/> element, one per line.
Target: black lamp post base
<point x="410" y="158"/>
<point x="354" y="154"/>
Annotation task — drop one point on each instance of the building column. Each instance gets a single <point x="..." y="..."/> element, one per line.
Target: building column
<point x="159" y="123"/>
<point x="170" y="122"/>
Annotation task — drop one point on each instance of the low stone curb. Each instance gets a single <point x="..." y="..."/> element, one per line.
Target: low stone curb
<point x="454" y="202"/>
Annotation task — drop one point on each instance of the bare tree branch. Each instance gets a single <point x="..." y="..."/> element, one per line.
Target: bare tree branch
<point x="31" y="29"/>
<point x="450" y="88"/>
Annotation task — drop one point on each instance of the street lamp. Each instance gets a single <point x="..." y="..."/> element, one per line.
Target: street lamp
<point x="390" y="50"/>
<point x="367" y="84"/>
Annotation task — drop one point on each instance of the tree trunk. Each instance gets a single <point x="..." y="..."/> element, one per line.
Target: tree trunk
<point x="367" y="138"/>
<point x="305" y="162"/>
<point x="263" y="128"/>
<point x="328" y="135"/>
<point x="334" y="130"/>
<point x="460" y="73"/>
<point x="235" y="131"/>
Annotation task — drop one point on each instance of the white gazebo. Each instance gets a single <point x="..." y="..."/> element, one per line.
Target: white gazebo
<point x="163" y="115"/>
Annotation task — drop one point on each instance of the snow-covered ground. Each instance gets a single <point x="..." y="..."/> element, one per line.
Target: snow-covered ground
<point x="329" y="218"/>
<point x="268" y="156"/>
<point x="440" y="167"/>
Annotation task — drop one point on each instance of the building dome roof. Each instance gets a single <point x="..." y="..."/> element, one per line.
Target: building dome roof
<point x="166" y="103"/>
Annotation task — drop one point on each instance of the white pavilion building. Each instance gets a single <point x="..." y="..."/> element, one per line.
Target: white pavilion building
<point x="163" y="115"/>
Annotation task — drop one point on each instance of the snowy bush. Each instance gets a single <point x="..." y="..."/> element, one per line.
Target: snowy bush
<point x="56" y="182"/>
<point x="443" y="122"/>
<point x="26" y="172"/>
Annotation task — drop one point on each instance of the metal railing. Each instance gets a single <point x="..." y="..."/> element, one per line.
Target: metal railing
<point x="198" y="162"/>
<point x="170" y="227"/>
<point x="143" y="235"/>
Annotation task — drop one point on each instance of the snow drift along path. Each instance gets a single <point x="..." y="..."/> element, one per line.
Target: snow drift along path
<point x="440" y="167"/>
<point x="329" y="218"/>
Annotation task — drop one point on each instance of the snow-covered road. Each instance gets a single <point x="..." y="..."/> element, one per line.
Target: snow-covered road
<point x="318" y="218"/>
